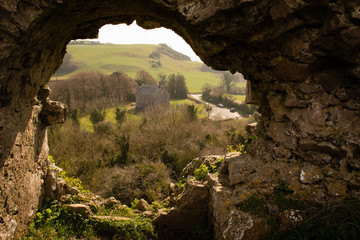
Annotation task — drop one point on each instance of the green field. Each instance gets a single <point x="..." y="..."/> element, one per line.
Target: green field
<point x="131" y="115"/>
<point x="108" y="58"/>
<point x="240" y="98"/>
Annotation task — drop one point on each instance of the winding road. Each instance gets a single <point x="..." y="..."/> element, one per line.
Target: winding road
<point x="218" y="113"/>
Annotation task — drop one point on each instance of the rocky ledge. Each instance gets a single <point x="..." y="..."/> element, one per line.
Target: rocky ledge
<point x="246" y="193"/>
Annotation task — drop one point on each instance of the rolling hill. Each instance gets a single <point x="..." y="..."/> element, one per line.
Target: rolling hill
<point x="155" y="59"/>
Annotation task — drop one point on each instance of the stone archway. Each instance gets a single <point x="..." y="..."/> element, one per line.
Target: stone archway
<point x="301" y="57"/>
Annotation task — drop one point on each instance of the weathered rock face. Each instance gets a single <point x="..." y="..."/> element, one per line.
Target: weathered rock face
<point x="247" y="195"/>
<point x="191" y="207"/>
<point x="301" y="57"/>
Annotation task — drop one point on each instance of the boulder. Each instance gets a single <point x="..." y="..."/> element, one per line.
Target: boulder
<point x="190" y="208"/>
<point x="109" y="202"/>
<point x="80" y="208"/>
<point x="71" y="190"/>
<point x="142" y="205"/>
<point x="53" y="112"/>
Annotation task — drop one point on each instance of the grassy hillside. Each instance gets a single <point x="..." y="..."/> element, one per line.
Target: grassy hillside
<point x="108" y="58"/>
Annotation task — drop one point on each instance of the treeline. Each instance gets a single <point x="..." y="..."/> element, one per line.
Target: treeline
<point x="89" y="90"/>
<point x="93" y="90"/>
<point x="68" y="66"/>
<point x="80" y="42"/>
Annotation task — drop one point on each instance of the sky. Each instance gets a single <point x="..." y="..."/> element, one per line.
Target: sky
<point x="133" y="34"/>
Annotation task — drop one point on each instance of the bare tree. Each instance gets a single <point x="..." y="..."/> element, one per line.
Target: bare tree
<point x="228" y="81"/>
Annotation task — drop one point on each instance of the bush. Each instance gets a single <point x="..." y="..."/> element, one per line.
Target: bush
<point x="97" y="116"/>
<point x="75" y="115"/>
<point x="191" y="112"/>
<point x="146" y="180"/>
<point x="201" y="173"/>
<point x="54" y="221"/>
<point x="103" y="127"/>
<point x="120" y="115"/>
<point x="135" y="229"/>
<point x="123" y="143"/>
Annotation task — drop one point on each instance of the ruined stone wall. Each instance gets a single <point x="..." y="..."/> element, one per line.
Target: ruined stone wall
<point x="301" y="56"/>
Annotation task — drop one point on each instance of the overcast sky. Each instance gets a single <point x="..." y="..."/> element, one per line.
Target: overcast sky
<point x="133" y="34"/>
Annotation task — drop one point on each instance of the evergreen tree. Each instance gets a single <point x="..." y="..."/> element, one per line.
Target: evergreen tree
<point x="171" y="85"/>
<point x="191" y="112"/>
<point x="180" y="86"/>
<point x="75" y="115"/>
<point x="97" y="116"/>
<point x="176" y="86"/>
<point x="120" y="115"/>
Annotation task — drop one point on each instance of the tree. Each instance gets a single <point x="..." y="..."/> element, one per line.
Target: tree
<point x="124" y="87"/>
<point x="227" y="82"/>
<point x="171" y="85"/>
<point x="181" y="90"/>
<point x="120" y="115"/>
<point x="176" y="86"/>
<point x="97" y="116"/>
<point x="206" y="91"/>
<point x="143" y="77"/>
<point x="191" y="111"/>
<point x="75" y="114"/>
<point x="123" y="143"/>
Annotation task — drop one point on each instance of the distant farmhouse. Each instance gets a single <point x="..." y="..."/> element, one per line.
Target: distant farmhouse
<point x="154" y="96"/>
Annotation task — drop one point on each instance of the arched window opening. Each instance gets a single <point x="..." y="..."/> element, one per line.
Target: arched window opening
<point x="120" y="148"/>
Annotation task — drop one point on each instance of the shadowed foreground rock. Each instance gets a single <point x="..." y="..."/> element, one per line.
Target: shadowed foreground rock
<point x="190" y="210"/>
<point x="301" y="58"/>
<point x="238" y="201"/>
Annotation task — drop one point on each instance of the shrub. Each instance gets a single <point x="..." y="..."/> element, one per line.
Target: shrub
<point x="201" y="173"/>
<point x="120" y="115"/>
<point x="75" y="115"/>
<point x="134" y="203"/>
<point x="191" y="111"/>
<point x="123" y="144"/>
<point x="54" y="221"/>
<point x="103" y="127"/>
<point x="97" y="116"/>
<point x="135" y="229"/>
<point x="147" y="180"/>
